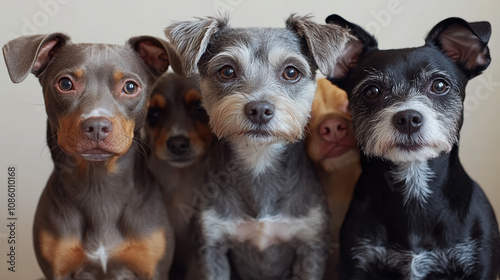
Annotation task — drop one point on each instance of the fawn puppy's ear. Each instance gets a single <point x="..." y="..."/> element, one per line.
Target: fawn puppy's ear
<point x="31" y="54"/>
<point x="465" y="43"/>
<point x="190" y="39"/>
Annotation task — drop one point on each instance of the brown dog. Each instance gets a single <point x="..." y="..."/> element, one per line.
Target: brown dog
<point x="179" y="135"/>
<point x="331" y="146"/>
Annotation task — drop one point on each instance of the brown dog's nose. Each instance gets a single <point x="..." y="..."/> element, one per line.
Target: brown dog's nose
<point x="97" y="128"/>
<point x="408" y="121"/>
<point x="178" y="145"/>
<point x="332" y="129"/>
<point x="259" y="112"/>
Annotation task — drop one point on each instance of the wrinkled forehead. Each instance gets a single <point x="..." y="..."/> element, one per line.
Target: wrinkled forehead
<point x="269" y="46"/>
<point x="97" y="59"/>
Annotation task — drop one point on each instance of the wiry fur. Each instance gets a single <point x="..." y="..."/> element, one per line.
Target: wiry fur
<point x="415" y="213"/>
<point x="259" y="171"/>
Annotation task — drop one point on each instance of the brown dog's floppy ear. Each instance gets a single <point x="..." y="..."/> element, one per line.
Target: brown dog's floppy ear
<point x="463" y="42"/>
<point x="190" y="40"/>
<point x="325" y="42"/>
<point x="155" y="52"/>
<point x="31" y="54"/>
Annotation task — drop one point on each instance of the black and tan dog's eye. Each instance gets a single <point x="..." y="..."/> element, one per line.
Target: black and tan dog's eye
<point x="291" y="73"/>
<point x="372" y="92"/>
<point x="227" y="72"/>
<point x="153" y="116"/>
<point x="130" y="88"/>
<point x="440" y="87"/>
<point x="65" y="84"/>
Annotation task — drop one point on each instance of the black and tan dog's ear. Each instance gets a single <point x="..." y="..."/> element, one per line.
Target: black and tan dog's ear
<point x="190" y="40"/>
<point x="156" y="53"/>
<point x="466" y="43"/>
<point x="31" y="54"/>
<point x="325" y="42"/>
<point x="353" y="50"/>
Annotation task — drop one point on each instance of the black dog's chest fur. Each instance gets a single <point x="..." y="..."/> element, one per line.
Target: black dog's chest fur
<point x="450" y="234"/>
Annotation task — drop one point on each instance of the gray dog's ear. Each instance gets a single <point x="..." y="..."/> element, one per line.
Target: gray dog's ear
<point x="190" y="40"/>
<point x="31" y="54"/>
<point x="325" y="42"/>
<point x="155" y="52"/>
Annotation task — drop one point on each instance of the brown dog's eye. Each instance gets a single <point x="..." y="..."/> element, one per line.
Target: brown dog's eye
<point x="227" y="72"/>
<point x="372" y="92"/>
<point x="440" y="87"/>
<point x="291" y="73"/>
<point x="130" y="88"/>
<point x="65" y="84"/>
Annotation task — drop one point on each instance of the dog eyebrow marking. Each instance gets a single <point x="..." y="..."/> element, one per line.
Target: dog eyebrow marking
<point x="277" y="57"/>
<point x="417" y="265"/>
<point x="240" y="55"/>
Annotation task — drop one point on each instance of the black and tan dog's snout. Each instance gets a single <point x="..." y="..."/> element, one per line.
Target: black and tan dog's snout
<point x="97" y="129"/>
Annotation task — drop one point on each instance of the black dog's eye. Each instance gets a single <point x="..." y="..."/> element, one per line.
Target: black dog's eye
<point x="130" y="87"/>
<point x="65" y="84"/>
<point x="440" y="87"/>
<point x="153" y="116"/>
<point x="372" y="92"/>
<point x="291" y="73"/>
<point x="227" y="72"/>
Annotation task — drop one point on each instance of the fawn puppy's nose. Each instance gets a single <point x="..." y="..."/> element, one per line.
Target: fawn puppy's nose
<point x="332" y="129"/>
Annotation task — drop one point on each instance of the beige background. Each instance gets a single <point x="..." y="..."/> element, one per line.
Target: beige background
<point x="396" y="23"/>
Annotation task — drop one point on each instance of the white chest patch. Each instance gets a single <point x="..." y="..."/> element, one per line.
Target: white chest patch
<point x="258" y="159"/>
<point x="416" y="266"/>
<point x="415" y="176"/>
<point x="264" y="232"/>
<point x="100" y="256"/>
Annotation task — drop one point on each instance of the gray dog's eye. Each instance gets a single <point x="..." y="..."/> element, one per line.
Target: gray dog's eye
<point x="291" y="73"/>
<point x="65" y="84"/>
<point x="227" y="72"/>
<point x="440" y="87"/>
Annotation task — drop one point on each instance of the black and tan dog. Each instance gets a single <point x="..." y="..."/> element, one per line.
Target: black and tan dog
<point x="265" y="213"/>
<point x="178" y="132"/>
<point x="415" y="213"/>
<point x="101" y="215"/>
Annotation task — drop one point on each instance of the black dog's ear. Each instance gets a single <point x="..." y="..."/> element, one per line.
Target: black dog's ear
<point x="325" y="42"/>
<point x="190" y="40"/>
<point x="463" y="42"/>
<point x="354" y="49"/>
<point x="31" y="54"/>
<point x="155" y="52"/>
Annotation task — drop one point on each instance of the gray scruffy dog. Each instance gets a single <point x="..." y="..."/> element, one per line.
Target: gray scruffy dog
<point x="265" y="216"/>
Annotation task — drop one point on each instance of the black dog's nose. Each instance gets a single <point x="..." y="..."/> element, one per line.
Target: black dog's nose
<point x="408" y="121"/>
<point x="97" y="128"/>
<point x="178" y="145"/>
<point x="259" y="112"/>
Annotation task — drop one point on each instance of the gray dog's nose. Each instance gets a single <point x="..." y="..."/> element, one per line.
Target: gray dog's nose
<point x="259" y="112"/>
<point x="97" y="128"/>
<point x="408" y="121"/>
